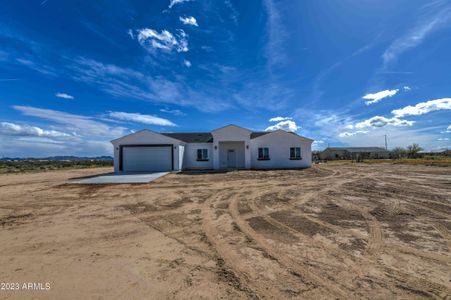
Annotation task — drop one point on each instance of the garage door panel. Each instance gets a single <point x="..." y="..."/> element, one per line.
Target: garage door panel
<point x="147" y="159"/>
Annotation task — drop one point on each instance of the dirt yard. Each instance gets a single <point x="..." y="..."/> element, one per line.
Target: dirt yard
<point x="369" y="231"/>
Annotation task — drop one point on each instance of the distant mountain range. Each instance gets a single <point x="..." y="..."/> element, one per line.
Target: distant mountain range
<point x="59" y="158"/>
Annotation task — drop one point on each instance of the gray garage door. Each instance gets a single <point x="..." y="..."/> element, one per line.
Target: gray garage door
<point x="147" y="159"/>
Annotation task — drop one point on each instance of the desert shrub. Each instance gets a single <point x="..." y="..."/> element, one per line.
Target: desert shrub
<point x="413" y="150"/>
<point x="15" y="166"/>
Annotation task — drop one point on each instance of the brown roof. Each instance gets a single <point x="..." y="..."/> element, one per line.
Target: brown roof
<point x="257" y="134"/>
<point x="191" y="137"/>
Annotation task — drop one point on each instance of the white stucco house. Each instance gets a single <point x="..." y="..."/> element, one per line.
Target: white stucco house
<point x="229" y="147"/>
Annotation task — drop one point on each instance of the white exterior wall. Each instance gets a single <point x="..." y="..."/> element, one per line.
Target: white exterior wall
<point x="231" y="134"/>
<point x="147" y="137"/>
<point x="190" y="156"/>
<point x="279" y="144"/>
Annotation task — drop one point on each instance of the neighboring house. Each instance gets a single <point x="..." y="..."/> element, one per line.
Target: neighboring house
<point x="229" y="147"/>
<point x="439" y="152"/>
<point x="337" y="153"/>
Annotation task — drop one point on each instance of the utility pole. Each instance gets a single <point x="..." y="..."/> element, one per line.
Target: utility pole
<point x="386" y="145"/>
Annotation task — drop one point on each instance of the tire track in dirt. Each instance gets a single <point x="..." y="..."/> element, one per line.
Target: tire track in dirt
<point x="356" y="266"/>
<point x="375" y="239"/>
<point x="320" y="190"/>
<point x="332" y="287"/>
<point x="308" y="197"/>
<point x="241" y="277"/>
<point x="393" y="248"/>
<point x="258" y="211"/>
<point x="376" y="246"/>
<point x="444" y="233"/>
<point x="417" y="201"/>
<point x="395" y="206"/>
<point x="247" y="279"/>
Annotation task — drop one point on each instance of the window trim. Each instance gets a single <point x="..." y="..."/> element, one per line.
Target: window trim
<point x="263" y="157"/>
<point x="296" y="157"/>
<point x="202" y="157"/>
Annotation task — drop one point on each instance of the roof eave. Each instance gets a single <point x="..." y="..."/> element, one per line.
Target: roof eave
<point x="280" y="130"/>
<point x="144" y="130"/>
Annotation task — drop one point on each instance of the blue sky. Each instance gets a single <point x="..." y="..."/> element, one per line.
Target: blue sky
<point x="76" y="74"/>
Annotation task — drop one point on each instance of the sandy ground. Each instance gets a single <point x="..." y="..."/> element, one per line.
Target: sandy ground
<point x="378" y="232"/>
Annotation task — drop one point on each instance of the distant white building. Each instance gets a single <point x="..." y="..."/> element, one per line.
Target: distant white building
<point x="337" y="153"/>
<point x="229" y="147"/>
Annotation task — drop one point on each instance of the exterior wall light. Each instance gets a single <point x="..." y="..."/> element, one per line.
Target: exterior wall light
<point x="216" y="147"/>
<point x="247" y="146"/>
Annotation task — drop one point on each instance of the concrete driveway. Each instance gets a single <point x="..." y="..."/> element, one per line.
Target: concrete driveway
<point x="120" y="178"/>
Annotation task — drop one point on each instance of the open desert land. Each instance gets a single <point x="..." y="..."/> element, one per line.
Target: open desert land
<point x="346" y="231"/>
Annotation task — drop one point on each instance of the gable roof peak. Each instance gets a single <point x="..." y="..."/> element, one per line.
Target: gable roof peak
<point x="231" y="125"/>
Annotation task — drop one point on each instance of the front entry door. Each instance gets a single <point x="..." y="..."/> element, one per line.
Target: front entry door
<point x="231" y="159"/>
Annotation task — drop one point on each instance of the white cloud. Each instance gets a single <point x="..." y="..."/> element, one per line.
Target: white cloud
<point x="79" y="125"/>
<point x="278" y="119"/>
<point x="129" y="83"/>
<point x="448" y="130"/>
<point x="20" y="146"/>
<point x="276" y="34"/>
<point x="64" y="96"/>
<point x="317" y="143"/>
<point x="32" y="131"/>
<point x="70" y="134"/>
<point x="188" y="21"/>
<point x="187" y="63"/>
<point x="287" y="125"/>
<point x="443" y="139"/>
<point x="37" y="66"/>
<point x="378" y="121"/>
<point x="423" y="107"/>
<point x="174" y="2"/>
<point x="131" y="34"/>
<point x="140" y="118"/>
<point x="376" y="97"/>
<point x="432" y="22"/>
<point x="233" y="12"/>
<point x="327" y="126"/>
<point x="165" y="40"/>
<point x="349" y="134"/>
<point x="175" y="112"/>
<point x="406" y="88"/>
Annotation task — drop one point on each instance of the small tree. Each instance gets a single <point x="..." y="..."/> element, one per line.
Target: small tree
<point x="412" y="150"/>
<point x="399" y="152"/>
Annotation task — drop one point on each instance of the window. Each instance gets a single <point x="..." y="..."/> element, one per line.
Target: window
<point x="202" y="154"/>
<point x="263" y="153"/>
<point x="295" y="153"/>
